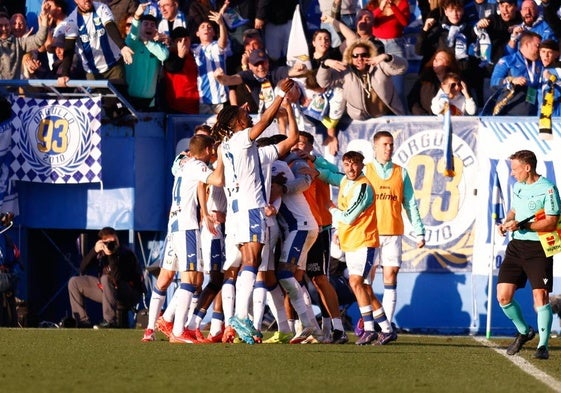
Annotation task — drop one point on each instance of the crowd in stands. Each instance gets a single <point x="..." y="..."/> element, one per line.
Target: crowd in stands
<point x="197" y="56"/>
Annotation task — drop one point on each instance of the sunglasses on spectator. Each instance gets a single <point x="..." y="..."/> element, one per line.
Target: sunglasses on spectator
<point x="363" y="55"/>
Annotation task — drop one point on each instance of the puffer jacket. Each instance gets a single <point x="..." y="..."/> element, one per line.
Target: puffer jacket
<point x="380" y="80"/>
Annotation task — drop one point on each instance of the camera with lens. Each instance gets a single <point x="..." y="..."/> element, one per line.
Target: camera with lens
<point x="111" y="245"/>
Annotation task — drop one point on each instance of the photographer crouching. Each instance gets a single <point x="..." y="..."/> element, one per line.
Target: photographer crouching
<point x="118" y="286"/>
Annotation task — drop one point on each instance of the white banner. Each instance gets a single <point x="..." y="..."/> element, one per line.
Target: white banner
<point x="56" y="141"/>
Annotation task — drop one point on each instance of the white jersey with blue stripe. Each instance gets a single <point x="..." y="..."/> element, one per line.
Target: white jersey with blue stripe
<point x="268" y="155"/>
<point x="184" y="212"/>
<point x="98" y="51"/>
<point x="209" y="58"/>
<point x="294" y="213"/>
<point x="244" y="178"/>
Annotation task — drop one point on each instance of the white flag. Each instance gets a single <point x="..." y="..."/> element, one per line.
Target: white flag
<point x="297" y="44"/>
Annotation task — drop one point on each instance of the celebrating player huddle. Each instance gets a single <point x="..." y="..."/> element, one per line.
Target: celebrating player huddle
<point x="275" y="199"/>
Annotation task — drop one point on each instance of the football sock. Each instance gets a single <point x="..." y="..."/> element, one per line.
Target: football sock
<point x="244" y="289"/>
<point x="294" y="291"/>
<point x="338" y="324"/>
<point x="216" y="323"/>
<point x="184" y="295"/>
<point x="228" y="299"/>
<point x="196" y="319"/>
<point x="326" y="326"/>
<point x="156" y="303"/>
<point x="389" y="300"/>
<point x="366" y="312"/>
<point x="309" y="310"/>
<point x="298" y="326"/>
<point x="291" y="326"/>
<point x="259" y="298"/>
<point x="545" y="319"/>
<point x="275" y="301"/>
<point x="514" y="313"/>
<point x="169" y="312"/>
<point x="381" y="319"/>
<point x="192" y="306"/>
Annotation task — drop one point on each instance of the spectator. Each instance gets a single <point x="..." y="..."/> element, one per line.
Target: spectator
<point x="343" y="10"/>
<point x="14" y="48"/>
<point x="149" y="54"/>
<point x="172" y="17"/>
<point x="121" y="8"/>
<point x="102" y="55"/>
<point x="251" y="41"/>
<point x="485" y="9"/>
<point x="549" y="54"/>
<point x="125" y="25"/>
<point x="180" y="74"/>
<point x="11" y="7"/>
<point x="259" y="80"/>
<point x="365" y="76"/>
<point x="363" y="31"/>
<point x="57" y="11"/>
<point x="198" y="12"/>
<point x="117" y="285"/>
<point x="277" y="24"/>
<point x="428" y="83"/>
<point x="33" y="68"/>
<point x="210" y="55"/>
<point x="532" y="21"/>
<point x="19" y="25"/>
<point x="452" y="32"/>
<point x="453" y="94"/>
<point x="390" y="18"/>
<point x="550" y="10"/>
<point x="249" y="14"/>
<point x="520" y="75"/>
<point x="319" y="97"/>
<point x="551" y="78"/>
<point x="57" y="48"/>
<point x="499" y="27"/>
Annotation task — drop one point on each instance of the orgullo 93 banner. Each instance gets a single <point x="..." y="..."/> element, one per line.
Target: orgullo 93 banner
<point x="446" y="204"/>
<point x="56" y="141"/>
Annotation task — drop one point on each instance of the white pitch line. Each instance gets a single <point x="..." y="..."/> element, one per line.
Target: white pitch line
<point x="524" y="365"/>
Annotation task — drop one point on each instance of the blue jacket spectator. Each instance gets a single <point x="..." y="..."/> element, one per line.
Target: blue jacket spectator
<point x="532" y="21"/>
<point x="520" y="74"/>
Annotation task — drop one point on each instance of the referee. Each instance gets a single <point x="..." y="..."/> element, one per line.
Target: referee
<point x="524" y="257"/>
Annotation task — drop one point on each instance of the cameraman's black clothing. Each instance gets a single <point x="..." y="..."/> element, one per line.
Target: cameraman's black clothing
<point x="122" y="266"/>
<point x="119" y="285"/>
